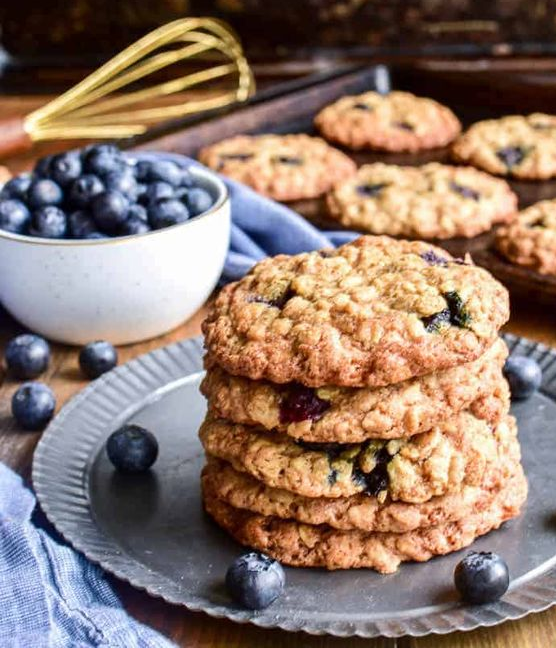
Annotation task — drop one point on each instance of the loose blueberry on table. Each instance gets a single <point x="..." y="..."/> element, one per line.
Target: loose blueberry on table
<point x="97" y="358"/>
<point x="132" y="449"/>
<point x="33" y="405"/>
<point x="524" y="376"/>
<point x="255" y="581"/>
<point x="481" y="577"/>
<point x="27" y="356"/>
<point x="98" y="193"/>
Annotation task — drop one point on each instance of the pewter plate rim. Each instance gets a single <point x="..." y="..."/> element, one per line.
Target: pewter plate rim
<point x="60" y="478"/>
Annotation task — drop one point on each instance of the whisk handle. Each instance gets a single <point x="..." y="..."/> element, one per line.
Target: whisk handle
<point x="13" y="137"/>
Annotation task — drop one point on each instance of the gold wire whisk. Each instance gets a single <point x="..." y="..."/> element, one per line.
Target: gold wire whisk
<point x="92" y="110"/>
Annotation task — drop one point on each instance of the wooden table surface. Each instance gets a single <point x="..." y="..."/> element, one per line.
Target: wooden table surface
<point x="195" y="630"/>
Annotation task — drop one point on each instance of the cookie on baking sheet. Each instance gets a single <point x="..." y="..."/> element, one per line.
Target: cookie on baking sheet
<point x="521" y="146"/>
<point x="240" y="490"/>
<point x="398" y="121"/>
<point x="530" y="241"/>
<point x="350" y="415"/>
<point x="431" y="201"/>
<point x="304" y="545"/>
<point x="373" y="312"/>
<point x="453" y="453"/>
<point x="283" y="167"/>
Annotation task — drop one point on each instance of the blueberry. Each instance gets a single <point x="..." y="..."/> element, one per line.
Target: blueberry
<point x="33" y="405"/>
<point x="433" y="259"/>
<point x="524" y="376"/>
<point x="84" y="189"/>
<point x="80" y="224"/>
<point x="122" y="181"/>
<point x="42" y="167"/>
<point x="137" y="211"/>
<point x="134" y="226"/>
<point x="49" y="222"/>
<point x="157" y="191"/>
<point x="301" y="404"/>
<point x="288" y="160"/>
<point x="255" y="580"/>
<point x="186" y="178"/>
<point x="102" y="159"/>
<point x="181" y="193"/>
<point x="132" y="448"/>
<point x="27" y="356"/>
<point x="166" y="213"/>
<point x="65" y="168"/>
<point x="198" y="201"/>
<point x="97" y="358"/>
<point x="14" y="216"/>
<point x="141" y="192"/>
<point x="165" y="171"/>
<point x="17" y="187"/>
<point x="481" y="577"/>
<point x="371" y="190"/>
<point x="142" y="170"/>
<point x="96" y="235"/>
<point x="44" y="192"/>
<point x="465" y="192"/>
<point x="110" y="210"/>
<point x="456" y="314"/>
<point x="511" y="155"/>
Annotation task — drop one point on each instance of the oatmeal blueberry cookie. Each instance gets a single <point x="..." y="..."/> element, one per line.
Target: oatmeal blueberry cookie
<point x="522" y="146"/>
<point x="283" y="167"/>
<point x="453" y="453"/>
<point x="240" y="490"/>
<point x="349" y="415"/>
<point x="431" y="201"/>
<point x="531" y="240"/>
<point x="373" y="312"/>
<point x="398" y="121"/>
<point x="304" y="545"/>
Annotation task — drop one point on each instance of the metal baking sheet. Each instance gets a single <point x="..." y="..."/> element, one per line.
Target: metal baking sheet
<point x="151" y="531"/>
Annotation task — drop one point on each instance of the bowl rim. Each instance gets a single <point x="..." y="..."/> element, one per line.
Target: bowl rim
<point x="195" y="168"/>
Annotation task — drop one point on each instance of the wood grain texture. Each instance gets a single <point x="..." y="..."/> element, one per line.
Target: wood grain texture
<point x="195" y="630"/>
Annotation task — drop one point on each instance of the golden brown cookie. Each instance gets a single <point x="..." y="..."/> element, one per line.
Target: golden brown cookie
<point x="452" y="454"/>
<point x="374" y="312"/>
<point x="362" y="512"/>
<point x="398" y="121"/>
<point x="351" y="415"/>
<point x="521" y="146"/>
<point x="531" y="240"/>
<point x="283" y="167"/>
<point x="428" y="202"/>
<point x="304" y="545"/>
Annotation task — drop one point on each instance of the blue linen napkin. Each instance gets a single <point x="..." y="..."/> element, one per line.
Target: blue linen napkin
<point x="51" y="596"/>
<point x="262" y="227"/>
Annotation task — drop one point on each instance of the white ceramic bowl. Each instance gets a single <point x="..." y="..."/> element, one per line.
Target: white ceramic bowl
<point x="119" y="289"/>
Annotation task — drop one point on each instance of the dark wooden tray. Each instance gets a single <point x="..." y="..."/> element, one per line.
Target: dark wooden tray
<point x="291" y="109"/>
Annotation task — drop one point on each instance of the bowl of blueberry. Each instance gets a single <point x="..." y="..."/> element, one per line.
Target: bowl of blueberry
<point x="98" y="243"/>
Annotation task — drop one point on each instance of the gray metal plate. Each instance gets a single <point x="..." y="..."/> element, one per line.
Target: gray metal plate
<point x="151" y="531"/>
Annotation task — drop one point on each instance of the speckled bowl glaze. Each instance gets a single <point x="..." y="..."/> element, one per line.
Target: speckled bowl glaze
<point x="123" y="289"/>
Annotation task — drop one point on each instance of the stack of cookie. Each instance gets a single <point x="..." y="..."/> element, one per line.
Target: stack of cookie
<point x="357" y="412"/>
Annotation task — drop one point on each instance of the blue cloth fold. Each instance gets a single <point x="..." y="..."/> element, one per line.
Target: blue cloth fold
<point x="51" y="596"/>
<point x="262" y="227"/>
